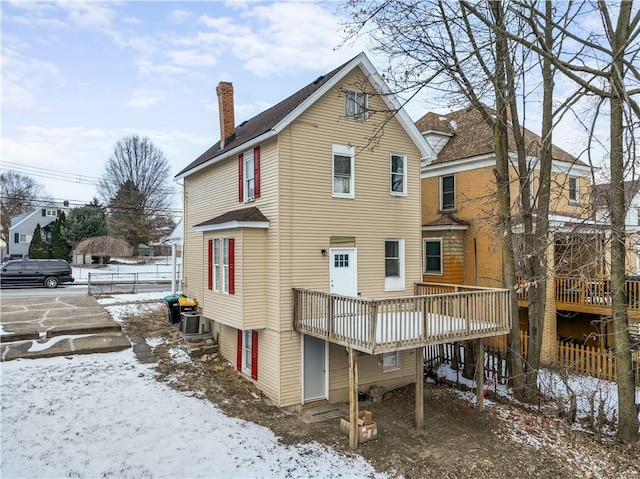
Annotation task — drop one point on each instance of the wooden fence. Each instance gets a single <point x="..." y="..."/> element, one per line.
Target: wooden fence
<point x="595" y="362"/>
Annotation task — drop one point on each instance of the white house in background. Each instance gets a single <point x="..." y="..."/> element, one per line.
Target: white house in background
<point x="23" y="225"/>
<point x="600" y="199"/>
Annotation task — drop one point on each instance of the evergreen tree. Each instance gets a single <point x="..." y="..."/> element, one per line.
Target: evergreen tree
<point x="38" y="249"/>
<point x="85" y="222"/>
<point x="60" y="248"/>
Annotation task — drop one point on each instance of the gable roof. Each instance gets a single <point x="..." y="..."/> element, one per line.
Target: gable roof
<point x="273" y="120"/>
<point x="472" y="137"/>
<point x="18" y="219"/>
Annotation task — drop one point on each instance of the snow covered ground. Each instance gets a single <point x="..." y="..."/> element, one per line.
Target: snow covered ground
<point x="156" y="267"/>
<point x="105" y="415"/>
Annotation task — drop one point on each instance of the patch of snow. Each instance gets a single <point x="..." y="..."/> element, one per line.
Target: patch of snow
<point x="179" y="356"/>
<point x="119" y="311"/>
<point x="104" y="415"/>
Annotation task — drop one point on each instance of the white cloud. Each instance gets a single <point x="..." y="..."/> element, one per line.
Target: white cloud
<point x="142" y="98"/>
<point x="24" y="78"/>
<point x="179" y="15"/>
<point x="192" y="58"/>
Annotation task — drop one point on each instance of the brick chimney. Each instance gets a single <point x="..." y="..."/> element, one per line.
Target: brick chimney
<point x="225" y="106"/>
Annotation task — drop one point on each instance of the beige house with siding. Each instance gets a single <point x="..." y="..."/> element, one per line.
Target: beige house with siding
<point x="299" y="216"/>
<point x="320" y="191"/>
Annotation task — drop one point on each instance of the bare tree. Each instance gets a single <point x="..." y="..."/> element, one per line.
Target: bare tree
<point x="604" y="66"/>
<point x="18" y="194"/>
<point x="441" y="46"/>
<point x="134" y="186"/>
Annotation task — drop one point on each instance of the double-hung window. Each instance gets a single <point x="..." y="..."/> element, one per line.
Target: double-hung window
<point x="221" y="265"/>
<point x="574" y="188"/>
<point x="216" y="264"/>
<point x="225" y="265"/>
<point x="24" y="238"/>
<point x="249" y="175"/>
<point x="447" y="193"/>
<point x="343" y="174"/>
<point x="433" y="256"/>
<point x="393" y="264"/>
<point x="398" y="174"/>
<point x="249" y="192"/>
<point x="356" y="105"/>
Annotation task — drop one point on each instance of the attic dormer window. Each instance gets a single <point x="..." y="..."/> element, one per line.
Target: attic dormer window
<point x="356" y="105"/>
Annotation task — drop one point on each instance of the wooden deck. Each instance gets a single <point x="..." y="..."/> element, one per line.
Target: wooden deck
<point x="586" y="296"/>
<point x="437" y="313"/>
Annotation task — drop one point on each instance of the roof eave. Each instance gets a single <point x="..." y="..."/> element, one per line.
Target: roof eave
<point x="234" y="151"/>
<point x="228" y="225"/>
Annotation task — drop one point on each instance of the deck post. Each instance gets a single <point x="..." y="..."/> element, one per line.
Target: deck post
<point x="419" y="389"/>
<point x="479" y="374"/>
<point x="353" y="399"/>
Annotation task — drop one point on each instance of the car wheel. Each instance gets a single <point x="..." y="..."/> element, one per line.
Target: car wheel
<point x="51" y="282"/>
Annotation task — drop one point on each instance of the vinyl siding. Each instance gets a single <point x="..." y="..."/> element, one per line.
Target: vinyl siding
<point x="296" y="197"/>
<point x="310" y="216"/>
<point x="369" y="372"/>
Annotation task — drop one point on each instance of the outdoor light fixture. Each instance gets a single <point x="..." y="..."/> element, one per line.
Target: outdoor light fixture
<point x="324" y="252"/>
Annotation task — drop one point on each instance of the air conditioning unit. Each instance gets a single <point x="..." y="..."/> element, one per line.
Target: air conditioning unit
<point x="192" y="323"/>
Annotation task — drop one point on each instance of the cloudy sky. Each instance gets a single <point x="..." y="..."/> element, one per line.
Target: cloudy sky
<point x="79" y="76"/>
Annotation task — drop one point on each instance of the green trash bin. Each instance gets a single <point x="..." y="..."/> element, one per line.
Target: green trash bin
<point x="173" y="307"/>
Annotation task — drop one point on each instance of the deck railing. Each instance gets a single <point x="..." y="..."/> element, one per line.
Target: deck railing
<point x="580" y="291"/>
<point x="375" y="326"/>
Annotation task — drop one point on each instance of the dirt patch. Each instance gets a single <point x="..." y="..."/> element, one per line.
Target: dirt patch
<point x="505" y="441"/>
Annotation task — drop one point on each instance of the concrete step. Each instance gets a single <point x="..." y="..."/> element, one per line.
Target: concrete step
<point x="65" y="345"/>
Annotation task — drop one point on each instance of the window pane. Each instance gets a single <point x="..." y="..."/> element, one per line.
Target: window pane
<point x="397" y="164"/>
<point x="391" y="267"/>
<point x="342" y="165"/>
<point x="397" y="183"/>
<point x="448" y="192"/>
<point x="433" y="257"/>
<point x="391" y="249"/>
<point x="349" y="104"/>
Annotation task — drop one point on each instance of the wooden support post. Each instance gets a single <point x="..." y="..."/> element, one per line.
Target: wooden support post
<point x="353" y="399"/>
<point x="419" y="389"/>
<point x="479" y="374"/>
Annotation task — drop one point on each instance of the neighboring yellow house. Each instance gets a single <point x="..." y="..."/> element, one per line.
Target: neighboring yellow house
<point x="459" y="206"/>
<point x="303" y="195"/>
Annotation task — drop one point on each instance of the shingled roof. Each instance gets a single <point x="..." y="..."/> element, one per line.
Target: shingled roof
<point x="472" y="137"/>
<point x="262" y="122"/>
<point x="242" y="215"/>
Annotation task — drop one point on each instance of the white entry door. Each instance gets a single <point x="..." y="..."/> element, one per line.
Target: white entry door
<point x="343" y="272"/>
<point x="315" y="369"/>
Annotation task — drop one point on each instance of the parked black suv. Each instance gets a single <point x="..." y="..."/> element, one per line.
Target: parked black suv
<point x="47" y="272"/>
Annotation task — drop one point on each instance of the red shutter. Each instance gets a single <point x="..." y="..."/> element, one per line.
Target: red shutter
<point x="239" y="358"/>
<point x="240" y="177"/>
<point x="254" y="354"/>
<point x="256" y="171"/>
<point x="210" y="265"/>
<point x="232" y="268"/>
